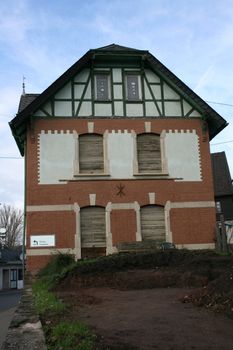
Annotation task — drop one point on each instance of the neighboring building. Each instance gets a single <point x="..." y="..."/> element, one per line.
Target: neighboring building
<point x="223" y="191"/>
<point x="116" y="150"/>
<point x="11" y="268"/>
<point x="223" y="187"/>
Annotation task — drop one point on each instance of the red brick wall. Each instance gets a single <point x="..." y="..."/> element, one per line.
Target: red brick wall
<point x="35" y="263"/>
<point x="60" y="223"/>
<point x="187" y="225"/>
<point x="193" y="225"/>
<point x="123" y="226"/>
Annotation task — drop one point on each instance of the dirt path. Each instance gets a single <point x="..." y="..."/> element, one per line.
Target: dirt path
<point x="149" y="319"/>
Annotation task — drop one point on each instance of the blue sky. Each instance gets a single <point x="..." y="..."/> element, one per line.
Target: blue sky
<point x="41" y="39"/>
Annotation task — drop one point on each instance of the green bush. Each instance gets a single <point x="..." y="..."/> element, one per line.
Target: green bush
<point x="57" y="264"/>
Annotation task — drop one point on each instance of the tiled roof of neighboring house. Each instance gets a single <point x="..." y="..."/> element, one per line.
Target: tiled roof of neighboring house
<point x="114" y="53"/>
<point x="25" y="100"/>
<point x="10" y="255"/>
<point x="222" y="177"/>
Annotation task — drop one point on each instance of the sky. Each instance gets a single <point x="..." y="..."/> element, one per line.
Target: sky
<point x="41" y="39"/>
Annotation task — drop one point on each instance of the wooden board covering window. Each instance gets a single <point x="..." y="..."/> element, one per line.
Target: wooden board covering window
<point x="153" y="223"/>
<point x="91" y="159"/>
<point x="149" y="154"/>
<point x="92" y="224"/>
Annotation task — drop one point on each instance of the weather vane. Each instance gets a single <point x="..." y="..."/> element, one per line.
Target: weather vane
<point x="23" y="85"/>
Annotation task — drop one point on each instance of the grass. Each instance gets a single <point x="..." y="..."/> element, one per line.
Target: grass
<point x="60" y="333"/>
<point x="66" y="335"/>
<point x="63" y="334"/>
<point x="45" y="300"/>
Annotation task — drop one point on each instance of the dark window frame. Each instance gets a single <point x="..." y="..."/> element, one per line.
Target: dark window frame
<point x="97" y="85"/>
<point x="130" y="95"/>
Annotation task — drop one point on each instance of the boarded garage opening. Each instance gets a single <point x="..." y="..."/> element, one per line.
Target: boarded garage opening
<point x="93" y="231"/>
<point x="153" y="223"/>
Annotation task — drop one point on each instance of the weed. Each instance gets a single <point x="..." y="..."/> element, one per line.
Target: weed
<point x="46" y="301"/>
<point x="71" y="335"/>
<point x="57" y="264"/>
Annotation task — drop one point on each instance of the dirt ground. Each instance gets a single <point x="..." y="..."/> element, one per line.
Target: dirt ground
<point x="170" y="300"/>
<point x="149" y="319"/>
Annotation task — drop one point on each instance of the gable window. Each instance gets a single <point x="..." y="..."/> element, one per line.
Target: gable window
<point x="132" y="87"/>
<point x="91" y="154"/>
<point x="149" y="153"/>
<point x="102" y="87"/>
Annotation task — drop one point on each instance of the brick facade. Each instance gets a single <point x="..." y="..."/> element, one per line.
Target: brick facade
<point x="187" y="225"/>
<point x="167" y="172"/>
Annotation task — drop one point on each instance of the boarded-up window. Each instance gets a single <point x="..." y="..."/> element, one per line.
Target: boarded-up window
<point x="102" y="87"/>
<point x="91" y="158"/>
<point x="132" y="87"/>
<point x="92" y="227"/>
<point x="149" y="154"/>
<point x="152" y="223"/>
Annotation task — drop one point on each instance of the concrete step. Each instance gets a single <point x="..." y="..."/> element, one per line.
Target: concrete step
<point x="138" y="246"/>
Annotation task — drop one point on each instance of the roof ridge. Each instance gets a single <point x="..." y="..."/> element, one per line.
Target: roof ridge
<point x="115" y="47"/>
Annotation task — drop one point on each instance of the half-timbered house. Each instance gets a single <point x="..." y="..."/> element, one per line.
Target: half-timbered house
<point x="116" y="150"/>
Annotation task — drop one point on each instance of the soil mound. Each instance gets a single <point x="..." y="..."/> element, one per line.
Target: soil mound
<point x="211" y="273"/>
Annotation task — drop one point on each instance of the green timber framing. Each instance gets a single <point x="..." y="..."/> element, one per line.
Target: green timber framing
<point x="128" y="60"/>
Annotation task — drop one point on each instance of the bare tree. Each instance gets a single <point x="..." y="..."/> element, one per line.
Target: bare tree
<point x="11" y="219"/>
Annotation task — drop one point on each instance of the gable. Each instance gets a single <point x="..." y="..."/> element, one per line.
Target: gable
<point x="79" y="98"/>
<point x="115" y="81"/>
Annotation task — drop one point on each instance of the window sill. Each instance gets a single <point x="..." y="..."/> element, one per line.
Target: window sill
<point x="151" y="174"/>
<point x="92" y="175"/>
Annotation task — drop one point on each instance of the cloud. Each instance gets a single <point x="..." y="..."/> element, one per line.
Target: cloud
<point x="42" y="39"/>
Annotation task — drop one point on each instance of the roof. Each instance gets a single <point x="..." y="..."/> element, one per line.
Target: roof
<point x="10" y="255"/>
<point x="29" y="103"/>
<point x="25" y="100"/>
<point x="221" y="173"/>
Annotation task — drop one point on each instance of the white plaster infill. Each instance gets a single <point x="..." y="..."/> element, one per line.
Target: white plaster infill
<point x="55" y="151"/>
<point x="182" y="151"/>
<point x="120" y="146"/>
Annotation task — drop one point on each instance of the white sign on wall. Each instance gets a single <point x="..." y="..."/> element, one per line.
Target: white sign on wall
<point x="42" y="241"/>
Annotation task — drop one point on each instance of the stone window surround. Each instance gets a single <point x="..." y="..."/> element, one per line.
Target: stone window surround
<point x="110" y="249"/>
<point x="105" y="156"/>
<point x="164" y="164"/>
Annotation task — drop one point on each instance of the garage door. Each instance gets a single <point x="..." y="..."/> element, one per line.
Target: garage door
<point x="93" y="232"/>
<point x="153" y="223"/>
